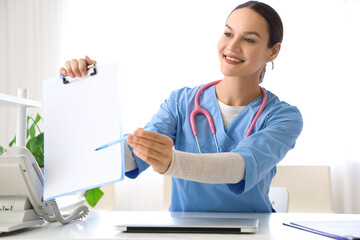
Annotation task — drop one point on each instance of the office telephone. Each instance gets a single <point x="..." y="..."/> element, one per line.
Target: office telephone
<point x="21" y="193"/>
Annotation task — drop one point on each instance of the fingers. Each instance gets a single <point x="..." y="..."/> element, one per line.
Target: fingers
<point x="69" y="69"/>
<point x="147" y="147"/>
<point x="153" y="148"/>
<point x="159" y="162"/>
<point x="89" y="61"/>
<point x="62" y="71"/>
<point x="77" y="68"/>
<point x="155" y="137"/>
<point x="83" y="67"/>
<point x="148" y="155"/>
<point x="158" y="166"/>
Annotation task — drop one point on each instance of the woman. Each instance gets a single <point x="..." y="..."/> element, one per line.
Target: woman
<point x="237" y="163"/>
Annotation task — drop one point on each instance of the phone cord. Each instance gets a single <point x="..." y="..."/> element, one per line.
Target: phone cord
<point x="78" y="213"/>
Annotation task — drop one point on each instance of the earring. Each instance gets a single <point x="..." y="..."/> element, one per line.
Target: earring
<point x="272" y="63"/>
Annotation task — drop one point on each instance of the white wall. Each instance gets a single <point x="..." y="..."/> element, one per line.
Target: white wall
<point x="28" y="53"/>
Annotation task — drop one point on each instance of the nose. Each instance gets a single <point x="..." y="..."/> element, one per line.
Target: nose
<point x="234" y="46"/>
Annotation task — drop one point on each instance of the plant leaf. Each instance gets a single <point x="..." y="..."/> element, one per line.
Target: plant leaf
<point x="36" y="146"/>
<point x="40" y="137"/>
<point x="37" y="119"/>
<point x="2" y="150"/>
<point x="27" y="124"/>
<point x="32" y="145"/>
<point x="40" y="158"/>
<point x="92" y="196"/>
<point x="12" y="142"/>
<point x="32" y="130"/>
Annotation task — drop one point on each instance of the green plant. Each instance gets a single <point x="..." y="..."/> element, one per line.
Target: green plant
<point x="35" y="144"/>
<point x="2" y="150"/>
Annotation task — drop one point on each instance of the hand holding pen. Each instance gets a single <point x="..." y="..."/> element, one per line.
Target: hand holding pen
<point x="153" y="148"/>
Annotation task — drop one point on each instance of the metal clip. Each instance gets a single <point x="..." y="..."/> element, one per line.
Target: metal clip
<point x="91" y="72"/>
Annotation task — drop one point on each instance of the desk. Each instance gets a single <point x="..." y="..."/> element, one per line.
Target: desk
<point x="99" y="225"/>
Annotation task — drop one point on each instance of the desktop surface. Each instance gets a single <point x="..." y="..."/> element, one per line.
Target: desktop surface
<point x="100" y="225"/>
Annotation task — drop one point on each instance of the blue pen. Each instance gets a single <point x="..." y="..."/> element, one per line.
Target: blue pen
<point x="123" y="139"/>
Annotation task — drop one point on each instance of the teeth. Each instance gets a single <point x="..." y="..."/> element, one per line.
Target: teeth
<point x="233" y="59"/>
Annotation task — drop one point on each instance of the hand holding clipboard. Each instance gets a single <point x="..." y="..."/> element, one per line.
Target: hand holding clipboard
<point x="77" y="67"/>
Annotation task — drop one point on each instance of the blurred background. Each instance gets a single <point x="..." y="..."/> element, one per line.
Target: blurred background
<point x="162" y="45"/>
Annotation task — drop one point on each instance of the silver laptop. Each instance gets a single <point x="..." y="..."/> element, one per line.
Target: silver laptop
<point x="190" y="225"/>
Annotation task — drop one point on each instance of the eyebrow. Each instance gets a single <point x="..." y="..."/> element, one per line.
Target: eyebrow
<point x="247" y="32"/>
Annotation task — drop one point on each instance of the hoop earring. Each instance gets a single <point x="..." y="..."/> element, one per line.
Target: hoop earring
<point x="272" y="63"/>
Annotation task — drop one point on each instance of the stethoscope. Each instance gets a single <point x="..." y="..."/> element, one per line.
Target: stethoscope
<point x="198" y="109"/>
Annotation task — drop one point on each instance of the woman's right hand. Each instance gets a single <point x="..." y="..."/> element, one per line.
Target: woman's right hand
<point x="76" y="67"/>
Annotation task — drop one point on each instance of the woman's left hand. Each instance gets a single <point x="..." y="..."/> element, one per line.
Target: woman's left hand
<point x="154" y="148"/>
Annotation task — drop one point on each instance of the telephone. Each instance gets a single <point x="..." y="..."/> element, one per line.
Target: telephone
<point x="21" y="191"/>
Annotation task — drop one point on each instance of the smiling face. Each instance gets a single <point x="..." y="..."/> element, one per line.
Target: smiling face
<point x="243" y="48"/>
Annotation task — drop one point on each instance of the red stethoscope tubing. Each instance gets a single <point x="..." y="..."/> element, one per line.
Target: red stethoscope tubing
<point x="198" y="109"/>
<point x="261" y="109"/>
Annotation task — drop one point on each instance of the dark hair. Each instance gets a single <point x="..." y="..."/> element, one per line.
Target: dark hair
<point x="275" y="26"/>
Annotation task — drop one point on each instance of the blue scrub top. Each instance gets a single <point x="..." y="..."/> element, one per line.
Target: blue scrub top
<point x="274" y="134"/>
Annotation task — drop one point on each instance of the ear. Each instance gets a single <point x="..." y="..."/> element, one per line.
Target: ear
<point x="275" y="51"/>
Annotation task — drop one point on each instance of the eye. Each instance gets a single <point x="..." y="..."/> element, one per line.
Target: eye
<point x="227" y="34"/>
<point x="249" y="40"/>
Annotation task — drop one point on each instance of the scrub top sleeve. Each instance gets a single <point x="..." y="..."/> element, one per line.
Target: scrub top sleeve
<point x="263" y="149"/>
<point x="164" y="122"/>
<point x="142" y="166"/>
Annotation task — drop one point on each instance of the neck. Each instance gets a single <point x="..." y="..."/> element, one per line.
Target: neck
<point x="237" y="92"/>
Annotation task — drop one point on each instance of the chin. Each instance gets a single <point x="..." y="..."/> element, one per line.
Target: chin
<point x="229" y="73"/>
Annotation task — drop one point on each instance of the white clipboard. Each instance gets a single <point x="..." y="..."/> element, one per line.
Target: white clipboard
<point x="78" y="118"/>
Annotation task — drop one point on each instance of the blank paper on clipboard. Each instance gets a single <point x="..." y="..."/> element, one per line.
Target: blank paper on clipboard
<point x="78" y="118"/>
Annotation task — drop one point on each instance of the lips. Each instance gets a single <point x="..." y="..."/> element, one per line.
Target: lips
<point x="231" y="59"/>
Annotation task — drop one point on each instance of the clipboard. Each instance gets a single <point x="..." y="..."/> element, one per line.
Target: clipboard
<point x="79" y="116"/>
<point x="341" y="230"/>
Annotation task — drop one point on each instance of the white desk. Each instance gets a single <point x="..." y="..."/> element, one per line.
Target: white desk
<point x="99" y="225"/>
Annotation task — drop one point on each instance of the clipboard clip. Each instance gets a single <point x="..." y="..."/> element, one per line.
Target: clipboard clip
<point x="91" y="72"/>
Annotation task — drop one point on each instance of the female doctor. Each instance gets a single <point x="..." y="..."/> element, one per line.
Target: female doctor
<point x="221" y="141"/>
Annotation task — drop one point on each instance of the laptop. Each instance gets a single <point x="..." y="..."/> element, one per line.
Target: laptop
<point x="190" y="225"/>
